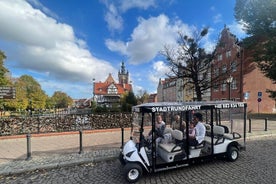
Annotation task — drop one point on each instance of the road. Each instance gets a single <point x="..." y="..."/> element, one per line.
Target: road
<point x="255" y="165"/>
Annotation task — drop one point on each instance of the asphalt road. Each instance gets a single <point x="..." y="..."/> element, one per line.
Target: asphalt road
<point x="255" y="165"/>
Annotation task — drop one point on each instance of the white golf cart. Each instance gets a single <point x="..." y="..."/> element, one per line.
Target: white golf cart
<point x="225" y="136"/>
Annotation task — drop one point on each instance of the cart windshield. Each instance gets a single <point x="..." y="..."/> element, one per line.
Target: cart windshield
<point x="141" y="125"/>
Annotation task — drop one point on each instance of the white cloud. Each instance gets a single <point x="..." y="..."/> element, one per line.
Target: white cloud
<point x="212" y="8"/>
<point x="115" y="9"/>
<point x="44" y="9"/>
<point x="159" y="70"/>
<point x="141" y="4"/>
<point x="113" y="18"/>
<point x="149" y="38"/>
<point x="207" y="43"/>
<point x="40" y="43"/>
<point x="237" y="29"/>
<point x="217" y="18"/>
<point x="118" y="46"/>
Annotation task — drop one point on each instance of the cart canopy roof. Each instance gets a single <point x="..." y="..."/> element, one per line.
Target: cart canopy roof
<point x="187" y="106"/>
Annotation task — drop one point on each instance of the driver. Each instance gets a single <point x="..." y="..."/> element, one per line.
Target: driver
<point x="198" y="137"/>
<point x="159" y="130"/>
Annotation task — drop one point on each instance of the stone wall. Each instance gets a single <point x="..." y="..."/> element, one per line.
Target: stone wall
<point x="62" y="123"/>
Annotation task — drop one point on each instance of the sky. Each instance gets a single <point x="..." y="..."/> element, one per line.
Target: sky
<point x="65" y="44"/>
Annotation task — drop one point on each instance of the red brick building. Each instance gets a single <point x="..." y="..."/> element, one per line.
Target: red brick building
<point x="241" y="79"/>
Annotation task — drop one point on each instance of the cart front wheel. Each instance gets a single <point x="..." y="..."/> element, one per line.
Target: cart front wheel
<point x="232" y="154"/>
<point x="132" y="172"/>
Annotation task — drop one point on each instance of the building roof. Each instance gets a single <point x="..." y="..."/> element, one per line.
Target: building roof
<point x="101" y="88"/>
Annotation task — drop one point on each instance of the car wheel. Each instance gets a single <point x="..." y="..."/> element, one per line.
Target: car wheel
<point x="132" y="172"/>
<point x="232" y="153"/>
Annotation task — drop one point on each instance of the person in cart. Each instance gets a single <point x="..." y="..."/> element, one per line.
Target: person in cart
<point x="198" y="137"/>
<point x="159" y="128"/>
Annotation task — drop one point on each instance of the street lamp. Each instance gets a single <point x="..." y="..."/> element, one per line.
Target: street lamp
<point x="93" y="89"/>
<point x="229" y="81"/>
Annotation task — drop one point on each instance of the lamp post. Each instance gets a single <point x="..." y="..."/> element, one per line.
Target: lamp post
<point x="93" y="93"/>
<point x="229" y="81"/>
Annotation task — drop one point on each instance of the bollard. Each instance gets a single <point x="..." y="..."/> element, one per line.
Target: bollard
<point x="81" y="149"/>
<point x="38" y="125"/>
<point x="249" y="131"/>
<point x="122" y="129"/>
<point x="29" y="154"/>
<point x="265" y="124"/>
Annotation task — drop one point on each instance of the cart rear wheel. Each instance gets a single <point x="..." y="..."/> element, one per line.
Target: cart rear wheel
<point x="232" y="153"/>
<point x="132" y="172"/>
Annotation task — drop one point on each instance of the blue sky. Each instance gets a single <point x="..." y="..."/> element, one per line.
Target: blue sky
<point x="64" y="44"/>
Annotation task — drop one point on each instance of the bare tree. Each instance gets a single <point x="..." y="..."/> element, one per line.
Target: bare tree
<point x="190" y="62"/>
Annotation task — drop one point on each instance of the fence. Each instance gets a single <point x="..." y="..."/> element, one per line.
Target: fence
<point x="63" y="123"/>
<point x="260" y="125"/>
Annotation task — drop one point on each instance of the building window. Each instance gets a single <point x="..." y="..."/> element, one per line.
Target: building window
<point x="228" y="54"/>
<point x="224" y="69"/>
<point x="234" y="84"/>
<point x="234" y="66"/>
<point x="223" y="86"/>
<point x="216" y="72"/>
<point x="216" y="87"/>
<point x="219" y="57"/>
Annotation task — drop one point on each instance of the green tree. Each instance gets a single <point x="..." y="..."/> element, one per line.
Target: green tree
<point x="50" y="104"/>
<point x="61" y="100"/>
<point x="29" y="95"/>
<point x="4" y="81"/>
<point x="127" y="101"/>
<point x="34" y="94"/>
<point x="3" y="71"/>
<point x="21" y="101"/>
<point x="259" y="19"/>
<point x="190" y="62"/>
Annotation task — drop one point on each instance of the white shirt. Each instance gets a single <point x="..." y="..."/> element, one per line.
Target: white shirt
<point x="200" y="132"/>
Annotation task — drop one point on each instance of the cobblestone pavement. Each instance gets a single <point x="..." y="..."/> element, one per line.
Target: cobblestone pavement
<point x="255" y="165"/>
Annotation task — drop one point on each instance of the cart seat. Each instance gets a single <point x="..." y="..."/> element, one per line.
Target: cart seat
<point x="218" y="135"/>
<point x="168" y="151"/>
<point x="172" y="147"/>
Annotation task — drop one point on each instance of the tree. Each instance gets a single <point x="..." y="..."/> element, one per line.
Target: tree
<point x="61" y="100"/>
<point x="142" y="96"/>
<point x="31" y="91"/>
<point x="259" y="19"/>
<point x="4" y="81"/>
<point x="21" y="101"/>
<point x="190" y="62"/>
<point x="128" y="100"/>
<point x="3" y="71"/>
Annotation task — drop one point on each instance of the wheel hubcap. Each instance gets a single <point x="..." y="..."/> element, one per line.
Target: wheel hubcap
<point x="234" y="155"/>
<point x="133" y="174"/>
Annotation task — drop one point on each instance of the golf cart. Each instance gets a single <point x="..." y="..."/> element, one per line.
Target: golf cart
<point x="225" y="136"/>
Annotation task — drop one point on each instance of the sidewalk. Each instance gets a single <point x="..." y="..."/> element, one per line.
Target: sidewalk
<point x="62" y="149"/>
<point x="58" y="149"/>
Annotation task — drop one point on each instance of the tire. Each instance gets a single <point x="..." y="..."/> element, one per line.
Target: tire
<point x="132" y="172"/>
<point x="232" y="154"/>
